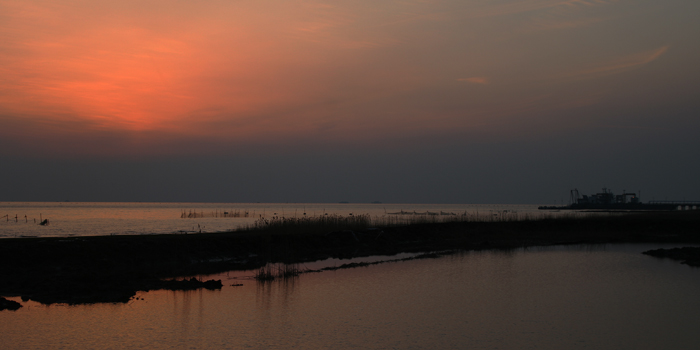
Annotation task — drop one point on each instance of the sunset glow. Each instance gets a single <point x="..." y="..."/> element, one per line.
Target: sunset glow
<point x="162" y="78"/>
<point x="292" y="70"/>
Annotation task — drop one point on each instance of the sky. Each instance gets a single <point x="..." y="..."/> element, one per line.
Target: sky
<point x="445" y="101"/>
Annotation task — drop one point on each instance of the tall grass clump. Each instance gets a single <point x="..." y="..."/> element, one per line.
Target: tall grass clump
<point x="271" y="272"/>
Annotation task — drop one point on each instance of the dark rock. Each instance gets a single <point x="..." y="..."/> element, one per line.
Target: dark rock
<point x="9" y="304"/>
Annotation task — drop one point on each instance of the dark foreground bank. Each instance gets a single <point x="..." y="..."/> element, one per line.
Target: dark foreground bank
<point x="113" y="268"/>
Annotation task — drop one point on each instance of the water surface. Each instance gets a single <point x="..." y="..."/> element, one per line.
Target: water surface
<point x="18" y="219"/>
<point x="601" y="297"/>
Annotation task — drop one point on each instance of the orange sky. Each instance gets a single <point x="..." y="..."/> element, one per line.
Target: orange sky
<point x="153" y="77"/>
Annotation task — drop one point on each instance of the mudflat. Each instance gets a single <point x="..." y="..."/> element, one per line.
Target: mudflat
<point x="113" y="268"/>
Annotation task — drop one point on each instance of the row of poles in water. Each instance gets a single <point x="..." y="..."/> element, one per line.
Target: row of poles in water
<point x="42" y="221"/>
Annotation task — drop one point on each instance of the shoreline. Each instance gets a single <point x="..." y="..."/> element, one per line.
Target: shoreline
<point x="78" y="270"/>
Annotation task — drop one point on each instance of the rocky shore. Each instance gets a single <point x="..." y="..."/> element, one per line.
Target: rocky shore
<point x="113" y="268"/>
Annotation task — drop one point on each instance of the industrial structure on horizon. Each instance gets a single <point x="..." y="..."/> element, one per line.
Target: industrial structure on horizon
<point x="607" y="200"/>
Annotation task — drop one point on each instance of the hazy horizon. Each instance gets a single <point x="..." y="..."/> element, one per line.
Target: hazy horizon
<point x="424" y="101"/>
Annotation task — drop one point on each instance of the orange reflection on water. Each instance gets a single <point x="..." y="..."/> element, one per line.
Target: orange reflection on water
<point x="553" y="298"/>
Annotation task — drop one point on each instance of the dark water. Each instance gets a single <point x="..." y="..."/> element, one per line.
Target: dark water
<point x="609" y="297"/>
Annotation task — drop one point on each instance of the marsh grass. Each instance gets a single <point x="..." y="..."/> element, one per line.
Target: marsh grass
<point x="271" y="272"/>
<point x="333" y="223"/>
<point x="310" y="225"/>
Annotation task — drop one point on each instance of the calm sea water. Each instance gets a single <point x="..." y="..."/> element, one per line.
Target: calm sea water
<point x="601" y="297"/>
<point x="83" y="219"/>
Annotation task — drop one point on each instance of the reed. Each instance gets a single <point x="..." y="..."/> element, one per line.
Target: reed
<point x="271" y="272"/>
<point x="333" y="222"/>
<point x="307" y="224"/>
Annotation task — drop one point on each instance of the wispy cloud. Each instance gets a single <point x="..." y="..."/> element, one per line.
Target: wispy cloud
<point x="573" y="14"/>
<point x="515" y="7"/>
<point x="619" y="65"/>
<point x="475" y="80"/>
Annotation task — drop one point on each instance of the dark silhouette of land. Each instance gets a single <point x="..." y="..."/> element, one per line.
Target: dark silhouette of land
<point x="686" y="255"/>
<point x="113" y="268"/>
